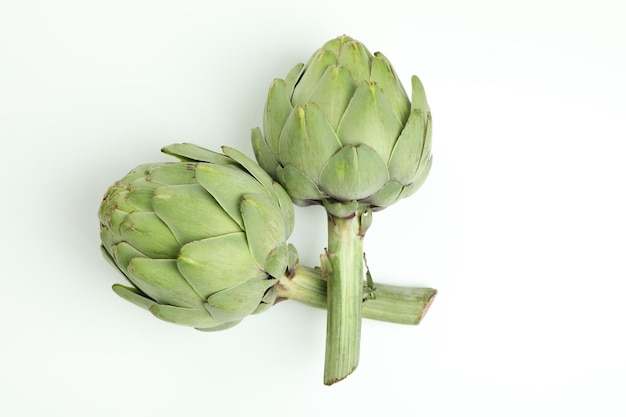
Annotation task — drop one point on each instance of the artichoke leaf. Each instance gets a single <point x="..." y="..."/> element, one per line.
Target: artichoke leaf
<point x="170" y="173"/>
<point x="238" y="302"/>
<point x="264" y="224"/>
<point x="263" y="306"/>
<point x="293" y="256"/>
<point x="227" y="184"/>
<point x="160" y="280"/>
<point x="192" y="317"/>
<point x="313" y="71"/>
<point x="299" y="186"/>
<point x="386" y="196"/>
<point x="370" y="120"/>
<point x="418" y="96"/>
<point x="223" y="326"/>
<point x="140" y="199"/>
<point x="406" y="154"/>
<point x="118" y="202"/>
<point x="249" y="165"/>
<point x="277" y="110"/>
<point x="383" y="74"/>
<point x="341" y="209"/>
<point x="270" y="295"/>
<point x="422" y="174"/>
<point x="214" y="264"/>
<point x="286" y="206"/>
<point x="353" y="173"/>
<point x="108" y="238"/>
<point x="136" y="173"/>
<point x="109" y="258"/>
<point x="277" y="261"/>
<point x="308" y="141"/>
<point x="355" y="57"/>
<point x="293" y="76"/>
<point x="203" y="216"/>
<point x="111" y="215"/>
<point x="133" y="295"/>
<point x="334" y="46"/>
<point x="428" y="139"/>
<point x="147" y="231"/>
<point x="262" y="153"/>
<point x="123" y="252"/>
<point x="195" y="153"/>
<point x="333" y="93"/>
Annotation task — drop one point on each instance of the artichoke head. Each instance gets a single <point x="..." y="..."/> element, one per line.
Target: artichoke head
<point x="341" y="130"/>
<point x="202" y="241"/>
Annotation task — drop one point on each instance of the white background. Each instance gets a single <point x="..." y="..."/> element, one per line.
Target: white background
<point x="521" y="224"/>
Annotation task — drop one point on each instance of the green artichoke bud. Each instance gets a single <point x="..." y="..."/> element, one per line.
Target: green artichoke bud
<point x="341" y="131"/>
<point x="202" y="241"/>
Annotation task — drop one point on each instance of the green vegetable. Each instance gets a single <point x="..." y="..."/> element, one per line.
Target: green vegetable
<point x="202" y="243"/>
<point x="341" y="131"/>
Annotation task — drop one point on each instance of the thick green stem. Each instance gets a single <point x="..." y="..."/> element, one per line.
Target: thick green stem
<point x="343" y="265"/>
<point x="395" y="304"/>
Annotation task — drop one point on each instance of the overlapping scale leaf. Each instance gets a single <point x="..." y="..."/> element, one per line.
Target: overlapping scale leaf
<point x="286" y="207"/>
<point x="383" y="74"/>
<point x="308" y="141"/>
<point x="353" y="173"/>
<point x="192" y="317"/>
<point x="148" y="232"/>
<point x="386" y="196"/>
<point x="333" y="93"/>
<point x="298" y="185"/>
<point x="123" y="253"/>
<point x="112" y="216"/>
<point x="355" y="58"/>
<point x="265" y="229"/>
<point x="262" y="153"/>
<point x="334" y="46"/>
<point x="172" y="173"/>
<point x="219" y="327"/>
<point x="428" y="137"/>
<point x="293" y="76"/>
<point x="136" y="173"/>
<point x="370" y="120"/>
<point x="191" y="213"/>
<point x="422" y="174"/>
<point x="161" y="281"/>
<point x="194" y="153"/>
<point x="214" y="264"/>
<point x="227" y="184"/>
<point x="249" y="165"/>
<point x="118" y="202"/>
<point x="106" y="253"/>
<point x="277" y="110"/>
<point x="313" y="71"/>
<point x="277" y="261"/>
<point x="134" y="296"/>
<point x="418" y="96"/>
<point x="239" y="301"/>
<point x="406" y="155"/>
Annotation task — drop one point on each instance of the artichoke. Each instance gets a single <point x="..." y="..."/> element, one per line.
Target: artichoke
<point x="202" y="241"/>
<point x="341" y="131"/>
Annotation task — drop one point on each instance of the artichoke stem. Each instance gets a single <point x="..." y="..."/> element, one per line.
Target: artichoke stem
<point x="390" y="303"/>
<point x="343" y="264"/>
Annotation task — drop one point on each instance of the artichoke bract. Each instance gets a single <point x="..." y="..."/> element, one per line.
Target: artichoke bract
<point x="341" y="131"/>
<point x="202" y="241"/>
